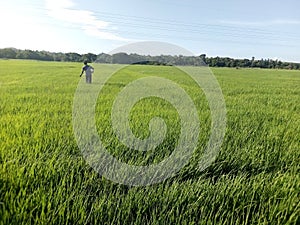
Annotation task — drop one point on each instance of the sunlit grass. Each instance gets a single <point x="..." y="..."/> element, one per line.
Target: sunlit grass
<point x="45" y="180"/>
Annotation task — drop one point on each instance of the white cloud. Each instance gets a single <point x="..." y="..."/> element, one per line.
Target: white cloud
<point x="261" y="23"/>
<point x="63" y="4"/>
<point x="64" y="11"/>
<point x="26" y="32"/>
<point x="286" y="22"/>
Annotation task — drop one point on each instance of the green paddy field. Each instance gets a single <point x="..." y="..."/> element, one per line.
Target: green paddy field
<point x="45" y="180"/>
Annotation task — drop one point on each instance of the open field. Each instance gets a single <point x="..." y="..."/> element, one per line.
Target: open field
<point x="45" y="180"/>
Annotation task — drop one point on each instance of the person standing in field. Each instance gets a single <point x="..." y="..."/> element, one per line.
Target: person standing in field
<point x="88" y="72"/>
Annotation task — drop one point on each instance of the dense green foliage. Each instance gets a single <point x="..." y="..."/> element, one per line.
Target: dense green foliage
<point x="12" y="53"/>
<point x="45" y="180"/>
<point x="123" y="58"/>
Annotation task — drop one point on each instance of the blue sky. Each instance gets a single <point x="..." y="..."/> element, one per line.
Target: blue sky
<point x="234" y="28"/>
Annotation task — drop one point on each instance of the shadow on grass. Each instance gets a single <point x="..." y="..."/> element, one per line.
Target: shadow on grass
<point x="221" y="169"/>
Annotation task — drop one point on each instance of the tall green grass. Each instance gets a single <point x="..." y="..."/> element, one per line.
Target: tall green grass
<point x="45" y="180"/>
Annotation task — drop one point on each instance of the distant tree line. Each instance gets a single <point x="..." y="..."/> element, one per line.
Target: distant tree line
<point x="123" y="58"/>
<point x="12" y="53"/>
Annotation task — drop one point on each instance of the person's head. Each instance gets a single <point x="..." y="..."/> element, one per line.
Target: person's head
<point x="85" y="62"/>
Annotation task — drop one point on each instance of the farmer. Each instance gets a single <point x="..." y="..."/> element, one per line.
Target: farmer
<point x="88" y="72"/>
